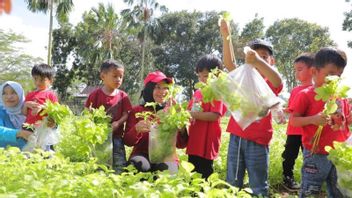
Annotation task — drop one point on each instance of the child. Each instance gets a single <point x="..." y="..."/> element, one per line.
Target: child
<point x="303" y="74"/>
<point x="307" y="113"/>
<point x="204" y="131"/>
<point x="248" y="149"/>
<point x="117" y="105"/>
<point x="43" y="76"/>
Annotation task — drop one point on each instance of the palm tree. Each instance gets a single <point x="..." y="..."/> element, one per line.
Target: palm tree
<point x="63" y="7"/>
<point x="98" y="37"/>
<point x="140" y="21"/>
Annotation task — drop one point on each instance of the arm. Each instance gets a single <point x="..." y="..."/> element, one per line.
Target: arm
<point x="132" y="136"/>
<point x="299" y="121"/>
<point x="205" y="116"/>
<point x="264" y="68"/>
<point x="227" y="48"/>
<point x="118" y="123"/>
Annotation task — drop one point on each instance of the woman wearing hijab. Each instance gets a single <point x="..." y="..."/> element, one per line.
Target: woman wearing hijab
<point x="137" y="130"/>
<point x="11" y="117"/>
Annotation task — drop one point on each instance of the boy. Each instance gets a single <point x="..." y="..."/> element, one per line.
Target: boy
<point x="302" y="65"/>
<point x="117" y="105"/>
<point x="248" y="149"/>
<point x="204" y="131"/>
<point x="43" y="76"/>
<point x="307" y="113"/>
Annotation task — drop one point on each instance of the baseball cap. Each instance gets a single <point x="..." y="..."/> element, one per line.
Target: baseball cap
<point x="156" y="77"/>
<point x="256" y="43"/>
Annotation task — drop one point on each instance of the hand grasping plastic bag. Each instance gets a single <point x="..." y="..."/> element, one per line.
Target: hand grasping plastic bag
<point x="43" y="137"/>
<point x="257" y="98"/>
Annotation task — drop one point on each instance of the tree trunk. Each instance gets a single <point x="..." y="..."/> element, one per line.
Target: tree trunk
<point x="50" y="31"/>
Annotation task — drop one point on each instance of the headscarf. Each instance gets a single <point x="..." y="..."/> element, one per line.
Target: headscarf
<point x="15" y="113"/>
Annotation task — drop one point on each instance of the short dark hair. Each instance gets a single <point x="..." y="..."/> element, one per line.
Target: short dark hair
<point x="330" y="55"/>
<point x="110" y="63"/>
<point x="43" y="71"/>
<point x="306" y="58"/>
<point x="208" y="62"/>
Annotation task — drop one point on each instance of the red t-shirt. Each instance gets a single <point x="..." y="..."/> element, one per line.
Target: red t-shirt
<point x="291" y="130"/>
<point x="114" y="105"/>
<point x="205" y="136"/>
<point x="38" y="96"/>
<point x="140" y="141"/>
<point x="259" y="131"/>
<point x="305" y="105"/>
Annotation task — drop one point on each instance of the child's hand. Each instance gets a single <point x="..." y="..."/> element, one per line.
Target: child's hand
<point x="50" y="123"/>
<point x="320" y="119"/>
<point x="36" y="107"/>
<point x="224" y="29"/>
<point x="252" y="57"/>
<point x="143" y="126"/>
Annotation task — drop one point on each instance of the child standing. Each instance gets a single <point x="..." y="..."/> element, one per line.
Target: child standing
<point x="307" y="113"/>
<point x="117" y="105"/>
<point x="302" y="65"/>
<point x="204" y="131"/>
<point x="43" y="76"/>
<point x="248" y="149"/>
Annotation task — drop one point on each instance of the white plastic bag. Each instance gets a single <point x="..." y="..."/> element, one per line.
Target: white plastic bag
<point x="159" y="148"/>
<point x="256" y="96"/>
<point x="43" y="137"/>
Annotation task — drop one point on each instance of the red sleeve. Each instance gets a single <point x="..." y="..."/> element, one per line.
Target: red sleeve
<point x="300" y="104"/>
<point x="89" y="101"/>
<point x="218" y="107"/>
<point x="53" y="97"/>
<point x="131" y="136"/>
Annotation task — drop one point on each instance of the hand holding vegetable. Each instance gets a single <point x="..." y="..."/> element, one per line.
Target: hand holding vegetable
<point x="143" y="126"/>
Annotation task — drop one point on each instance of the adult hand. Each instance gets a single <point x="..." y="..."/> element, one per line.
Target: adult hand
<point x="143" y="126"/>
<point x="24" y="134"/>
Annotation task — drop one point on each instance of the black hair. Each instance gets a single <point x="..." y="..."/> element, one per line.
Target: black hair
<point x="43" y="71"/>
<point x="147" y="95"/>
<point x="208" y="62"/>
<point x="306" y="58"/>
<point x="110" y="63"/>
<point x="330" y="55"/>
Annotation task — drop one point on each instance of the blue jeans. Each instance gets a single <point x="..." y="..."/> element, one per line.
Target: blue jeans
<point x="244" y="154"/>
<point x="119" y="155"/>
<point x="315" y="170"/>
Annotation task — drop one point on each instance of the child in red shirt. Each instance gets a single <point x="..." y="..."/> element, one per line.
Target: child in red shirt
<point x="116" y="104"/>
<point x="204" y="131"/>
<point x="303" y="73"/>
<point x="43" y="76"/>
<point x="307" y="113"/>
<point x="248" y="149"/>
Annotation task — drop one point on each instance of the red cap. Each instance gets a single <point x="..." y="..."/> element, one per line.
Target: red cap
<point x="156" y="77"/>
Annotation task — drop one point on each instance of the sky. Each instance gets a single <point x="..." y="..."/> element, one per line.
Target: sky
<point x="326" y="13"/>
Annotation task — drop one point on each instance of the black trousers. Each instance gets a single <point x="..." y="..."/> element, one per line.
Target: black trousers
<point x="202" y="165"/>
<point x="290" y="154"/>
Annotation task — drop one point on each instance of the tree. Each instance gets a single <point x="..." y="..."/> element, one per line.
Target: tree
<point x="347" y="23"/>
<point x="291" y="37"/>
<point x="63" y="7"/>
<point x="140" y="21"/>
<point x="15" y="65"/>
<point x="182" y="39"/>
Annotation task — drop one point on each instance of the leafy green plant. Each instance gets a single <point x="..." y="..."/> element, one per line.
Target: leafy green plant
<point x="329" y="92"/>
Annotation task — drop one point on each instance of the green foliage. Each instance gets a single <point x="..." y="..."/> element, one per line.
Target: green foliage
<point x="329" y="92"/>
<point x="347" y="23"/>
<point x="56" y="111"/>
<point x="83" y="137"/>
<point x="15" y="65"/>
<point x="292" y="37"/>
<point x="42" y="175"/>
<point x="341" y="157"/>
